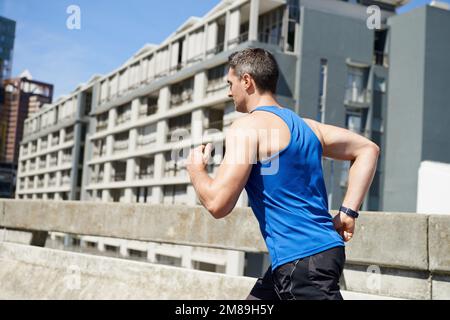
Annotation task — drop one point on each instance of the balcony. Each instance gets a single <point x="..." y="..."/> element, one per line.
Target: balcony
<point x="177" y="133"/>
<point x="97" y="178"/>
<point x="118" y="176"/>
<point x="146" y="141"/>
<point x="33" y="270"/>
<point x="269" y="38"/>
<point x="65" y="180"/>
<point x="217" y="49"/>
<point x="55" y="141"/>
<point x="69" y="137"/>
<point x="101" y="126"/>
<point x="243" y="37"/>
<point x="67" y="158"/>
<point x="52" y="182"/>
<point x="42" y="164"/>
<point x="120" y="146"/>
<point x="147" y="110"/>
<point x="357" y="98"/>
<point x="123" y="118"/>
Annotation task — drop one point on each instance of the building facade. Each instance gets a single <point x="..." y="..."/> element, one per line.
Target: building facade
<point x="128" y="127"/>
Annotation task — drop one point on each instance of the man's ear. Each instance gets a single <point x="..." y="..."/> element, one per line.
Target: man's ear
<point x="247" y="80"/>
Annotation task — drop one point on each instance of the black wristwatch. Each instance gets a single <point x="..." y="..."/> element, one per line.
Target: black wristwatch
<point x="349" y="212"/>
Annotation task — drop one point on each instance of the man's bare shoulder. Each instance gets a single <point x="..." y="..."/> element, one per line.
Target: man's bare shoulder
<point x="315" y="127"/>
<point x="247" y="121"/>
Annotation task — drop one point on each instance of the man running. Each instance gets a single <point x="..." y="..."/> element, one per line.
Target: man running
<point x="282" y="174"/>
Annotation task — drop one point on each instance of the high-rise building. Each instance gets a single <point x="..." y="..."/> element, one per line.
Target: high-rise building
<point x="113" y="139"/>
<point x="17" y="94"/>
<point x="418" y="116"/>
<point x="15" y="109"/>
<point x="7" y="35"/>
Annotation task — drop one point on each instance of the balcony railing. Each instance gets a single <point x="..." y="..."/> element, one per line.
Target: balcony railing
<point x="101" y="126"/>
<point x="355" y="97"/>
<point x="243" y="37"/>
<point x="146" y="141"/>
<point x="118" y="176"/>
<point x="98" y="178"/>
<point x="217" y="49"/>
<point x="69" y="137"/>
<point x="146" y="174"/>
<point x="147" y="110"/>
<point x="65" y="180"/>
<point x="120" y="146"/>
<point x="52" y="183"/>
<point x="179" y="99"/>
<point x="174" y="132"/>
<point x="269" y="38"/>
<point x="123" y="118"/>
<point x="216" y="125"/>
<point x="55" y="141"/>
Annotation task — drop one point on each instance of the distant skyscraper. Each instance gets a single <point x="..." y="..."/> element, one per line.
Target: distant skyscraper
<point x="7" y="34"/>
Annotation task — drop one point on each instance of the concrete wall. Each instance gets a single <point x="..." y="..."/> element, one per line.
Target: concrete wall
<point x="401" y="255"/>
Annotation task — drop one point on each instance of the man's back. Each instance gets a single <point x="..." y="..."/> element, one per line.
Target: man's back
<point x="287" y="192"/>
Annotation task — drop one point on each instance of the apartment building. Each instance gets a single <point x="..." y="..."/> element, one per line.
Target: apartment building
<point x="167" y="97"/>
<point x="52" y="148"/>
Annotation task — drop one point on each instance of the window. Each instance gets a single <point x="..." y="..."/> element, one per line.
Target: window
<point x="293" y="19"/>
<point x="182" y="92"/>
<point x="356" y="91"/>
<point x="217" y="78"/>
<point x="270" y="26"/>
<point x="322" y="90"/>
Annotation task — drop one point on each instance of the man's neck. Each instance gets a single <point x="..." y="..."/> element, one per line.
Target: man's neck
<point x="262" y="100"/>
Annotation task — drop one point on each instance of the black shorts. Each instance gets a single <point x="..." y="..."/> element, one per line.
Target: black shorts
<point x="312" y="278"/>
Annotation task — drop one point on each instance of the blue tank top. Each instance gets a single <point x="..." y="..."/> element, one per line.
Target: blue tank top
<point x="288" y="196"/>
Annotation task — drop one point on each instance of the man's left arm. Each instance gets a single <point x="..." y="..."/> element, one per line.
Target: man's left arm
<point x="220" y="194"/>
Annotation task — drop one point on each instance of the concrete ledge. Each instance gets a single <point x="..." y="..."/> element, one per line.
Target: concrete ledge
<point x="439" y="243"/>
<point x="441" y="287"/>
<point x="390" y="239"/>
<point x="385" y="281"/>
<point x="38" y="273"/>
<point x="169" y="224"/>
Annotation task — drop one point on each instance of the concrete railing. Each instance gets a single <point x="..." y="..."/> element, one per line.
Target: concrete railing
<point x="399" y="255"/>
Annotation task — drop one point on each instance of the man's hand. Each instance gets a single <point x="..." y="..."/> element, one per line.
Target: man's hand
<point x="344" y="225"/>
<point x="198" y="157"/>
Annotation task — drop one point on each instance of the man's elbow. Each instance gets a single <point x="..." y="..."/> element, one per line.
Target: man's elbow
<point x="218" y="211"/>
<point x="374" y="148"/>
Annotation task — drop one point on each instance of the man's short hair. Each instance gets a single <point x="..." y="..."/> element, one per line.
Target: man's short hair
<point x="259" y="64"/>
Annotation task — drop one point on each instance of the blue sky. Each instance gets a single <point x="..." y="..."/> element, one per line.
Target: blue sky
<point x="111" y="32"/>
